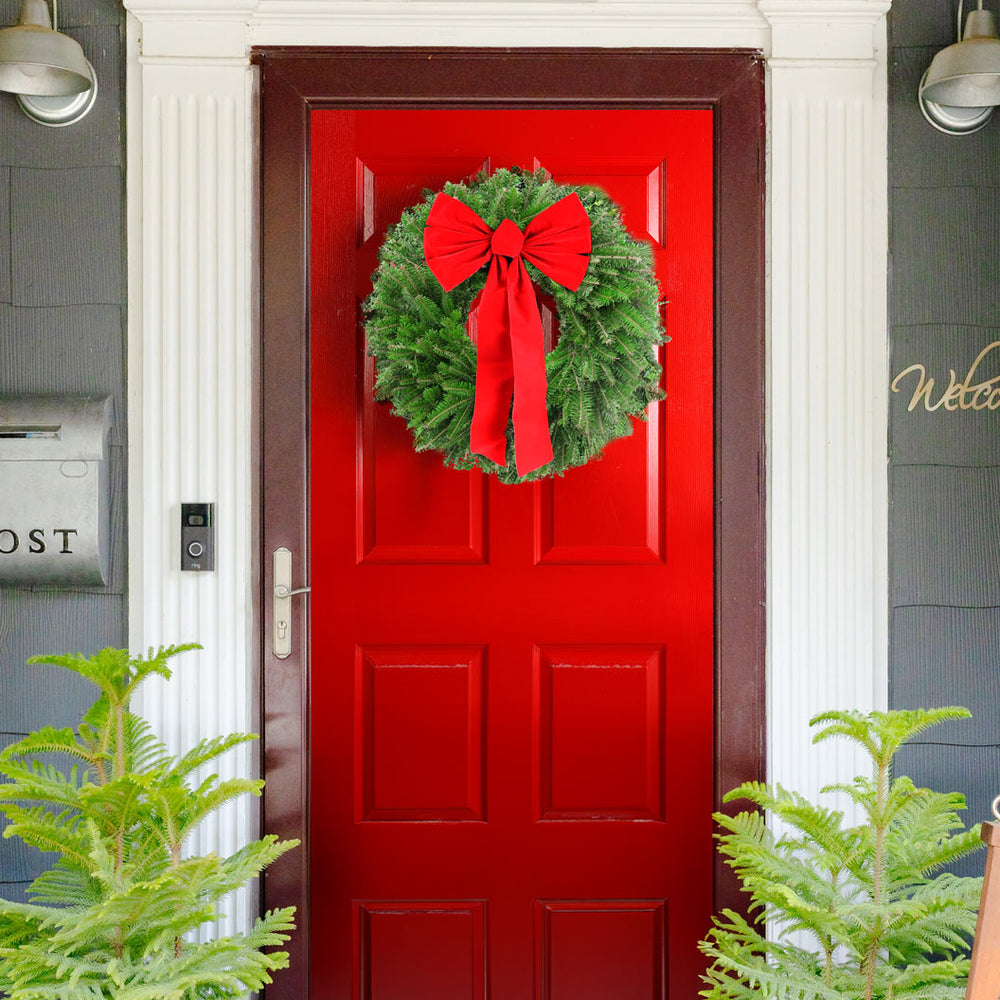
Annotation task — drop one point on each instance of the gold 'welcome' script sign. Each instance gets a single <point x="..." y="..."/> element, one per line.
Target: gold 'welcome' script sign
<point x="974" y="392"/>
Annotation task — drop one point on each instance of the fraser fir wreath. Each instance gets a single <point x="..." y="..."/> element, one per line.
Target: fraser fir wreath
<point x="602" y="371"/>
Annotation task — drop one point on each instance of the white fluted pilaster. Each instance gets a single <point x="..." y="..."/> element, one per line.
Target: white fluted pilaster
<point x="827" y="395"/>
<point x="190" y="398"/>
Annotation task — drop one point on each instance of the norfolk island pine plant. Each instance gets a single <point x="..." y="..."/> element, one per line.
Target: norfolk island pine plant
<point x="868" y="911"/>
<point x="116" y="916"/>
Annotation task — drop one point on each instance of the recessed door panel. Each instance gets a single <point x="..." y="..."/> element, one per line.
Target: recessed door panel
<point x="419" y="951"/>
<point x="411" y="510"/>
<point x="421" y="733"/>
<point x="601" y="732"/>
<point x="601" y="949"/>
<point x="623" y="526"/>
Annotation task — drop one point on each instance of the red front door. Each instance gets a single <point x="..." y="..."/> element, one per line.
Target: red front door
<point x="511" y="703"/>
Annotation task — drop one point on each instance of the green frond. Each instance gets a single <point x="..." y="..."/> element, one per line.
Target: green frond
<point x="65" y="884"/>
<point x="881" y="734"/>
<point x="248" y="862"/>
<point x="43" y="741"/>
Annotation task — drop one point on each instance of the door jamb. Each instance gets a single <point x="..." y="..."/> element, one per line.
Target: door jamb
<point x="295" y="81"/>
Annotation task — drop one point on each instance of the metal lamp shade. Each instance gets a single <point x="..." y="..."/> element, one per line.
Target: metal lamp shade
<point x="34" y="59"/>
<point x="967" y="74"/>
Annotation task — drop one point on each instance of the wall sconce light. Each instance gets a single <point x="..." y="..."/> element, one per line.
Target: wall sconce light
<point x="47" y="70"/>
<point x="962" y="84"/>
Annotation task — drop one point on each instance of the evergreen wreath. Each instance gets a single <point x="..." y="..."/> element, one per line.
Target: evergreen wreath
<point x="602" y="371"/>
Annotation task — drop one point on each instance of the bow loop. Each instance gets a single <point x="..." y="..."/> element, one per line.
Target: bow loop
<point x="456" y="241"/>
<point x="510" y="357"/>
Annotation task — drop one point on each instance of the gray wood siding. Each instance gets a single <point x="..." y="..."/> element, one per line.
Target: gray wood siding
<point x="944" y="516"/>
<point x="62" y="329"/>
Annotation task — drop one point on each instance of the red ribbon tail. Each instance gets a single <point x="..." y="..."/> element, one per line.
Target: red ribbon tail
<point x="532" y="442"/>
<point x="494" y="369"/>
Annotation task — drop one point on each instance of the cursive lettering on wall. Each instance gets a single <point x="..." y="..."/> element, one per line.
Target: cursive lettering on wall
<point x="972" y="393"/>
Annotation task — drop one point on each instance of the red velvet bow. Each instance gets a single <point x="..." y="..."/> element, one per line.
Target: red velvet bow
<point x="510" y="357"/>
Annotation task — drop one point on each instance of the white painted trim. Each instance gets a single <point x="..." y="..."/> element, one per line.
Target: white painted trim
<point x="511" y="23"/>
<point x="191" y="152"/>
<point x="827" y="390"/>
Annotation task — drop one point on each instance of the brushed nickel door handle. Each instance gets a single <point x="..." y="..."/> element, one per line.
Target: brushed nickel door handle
<point x="281" y="597"/>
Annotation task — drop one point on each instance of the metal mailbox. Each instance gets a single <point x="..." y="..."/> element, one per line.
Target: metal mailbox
<point x="54" y="504"/>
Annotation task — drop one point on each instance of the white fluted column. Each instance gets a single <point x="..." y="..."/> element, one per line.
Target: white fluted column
<point x="827" y="378"/>
<point x="190" y="383"/>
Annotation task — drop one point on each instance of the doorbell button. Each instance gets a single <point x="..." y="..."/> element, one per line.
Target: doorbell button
<point x="195" y="549"/>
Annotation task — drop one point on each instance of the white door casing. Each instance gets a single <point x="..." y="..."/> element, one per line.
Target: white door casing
<point x="191" y="190"/>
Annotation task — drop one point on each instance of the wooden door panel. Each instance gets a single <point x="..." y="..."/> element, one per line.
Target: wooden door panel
<point x="438" y="945"/>
<point x="583" y="517"/>
<point x="389" y="184"/>
<point x="601" y="949"/>
<point x="426" y="765"/>
<point x="600" y="737"/>
<point x="412" y="509"/>
<point x="635" y="182"/>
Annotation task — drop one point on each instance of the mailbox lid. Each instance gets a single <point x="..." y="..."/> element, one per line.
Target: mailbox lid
<point x="54" y="428"/>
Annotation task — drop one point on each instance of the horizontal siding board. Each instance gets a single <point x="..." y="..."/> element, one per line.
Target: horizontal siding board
<point x="38" y="623"/>
<point x="973" y="771"/>
<point x="66" y="349"/>
<point x="76" y="256"/>
<point x="943" y="267"/>
<point x="948" y="656"/>
<point x="16" y="892"/>
<point x="22" y="863"/>
<point x="944" y="536"/>
<point x="94" y="141"/>
<point x="943" y="436"/>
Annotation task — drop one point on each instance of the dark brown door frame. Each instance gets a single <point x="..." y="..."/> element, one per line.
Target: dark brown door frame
<point x="296" y="80"/>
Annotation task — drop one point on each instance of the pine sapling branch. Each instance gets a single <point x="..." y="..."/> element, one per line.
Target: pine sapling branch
<point x="886" y="921"/>
<point x="878" y="874"/>
<point x="109" y="921"/>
